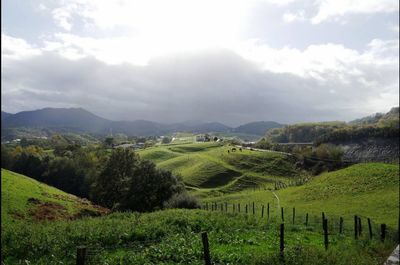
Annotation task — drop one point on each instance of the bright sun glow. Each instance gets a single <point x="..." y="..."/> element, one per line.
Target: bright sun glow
<point x="179" y="25"/>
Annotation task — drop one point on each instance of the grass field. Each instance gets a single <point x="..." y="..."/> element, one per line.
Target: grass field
<point x="173" y="237"/>
<point x="31" y="235"/>
<point x="369" y="190"/>
<point x="23" y="198"/>
<point x="206" y="166"/>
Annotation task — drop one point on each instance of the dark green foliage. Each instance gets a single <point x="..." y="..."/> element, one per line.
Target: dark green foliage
<point x="128" y="183"/>
<point x="6" y="158"/>
<point x="182" y="200"/>
<point x="258" y="127"/>
<point x="166" y="140"/>
<point x="64" y="173"/>
<point x="355" y="133"/>
<point x="29" y="164"/>
<point x="263" y="144"/>
<point x="302" y="132"/>
<point x="109" y="141"/>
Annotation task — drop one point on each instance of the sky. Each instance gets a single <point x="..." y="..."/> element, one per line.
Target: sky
<point x="231" y="61"/>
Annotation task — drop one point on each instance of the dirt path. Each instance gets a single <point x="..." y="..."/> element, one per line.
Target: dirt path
<point x="277" y="198"/>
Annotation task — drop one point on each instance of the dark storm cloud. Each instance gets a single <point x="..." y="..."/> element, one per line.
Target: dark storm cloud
<point x="215" y="85"/>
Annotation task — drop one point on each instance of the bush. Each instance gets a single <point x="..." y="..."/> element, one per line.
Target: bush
<point x="182" y="200"/>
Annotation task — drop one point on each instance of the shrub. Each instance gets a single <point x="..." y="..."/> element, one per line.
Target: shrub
<point x="182" y="200"/>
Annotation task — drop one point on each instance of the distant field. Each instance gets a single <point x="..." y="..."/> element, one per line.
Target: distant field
<point x="206" y="166"/>
<point x="369" y="190"/>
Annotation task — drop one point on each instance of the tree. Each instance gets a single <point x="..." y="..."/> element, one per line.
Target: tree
<point x="109" y="141"/>
<point x="6" y="157"/>
<point x="166" y="140"/>
<point x="128" y="183"/>
<point x="65" y="174"/>
<point x="28" y="164"/>
<point x="24" y="142"/>
<point x="113" y="181"/>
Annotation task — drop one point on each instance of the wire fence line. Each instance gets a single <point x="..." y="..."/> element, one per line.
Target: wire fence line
<point x="332" y="230"/>
<point x="291" y="216"/>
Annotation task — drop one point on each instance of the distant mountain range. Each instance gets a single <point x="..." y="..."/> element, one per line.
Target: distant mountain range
<point x="82" y="121"/>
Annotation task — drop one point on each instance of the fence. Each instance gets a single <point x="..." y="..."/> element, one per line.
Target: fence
<point x="283" y="222"/>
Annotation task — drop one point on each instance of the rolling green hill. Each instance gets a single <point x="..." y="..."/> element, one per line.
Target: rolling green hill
<point x="370" y="190"/>
<point x="23" y="198"/>
<point x="206" y="166"/>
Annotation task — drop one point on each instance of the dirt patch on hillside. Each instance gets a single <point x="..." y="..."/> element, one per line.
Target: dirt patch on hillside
<point x="47" y="211"/>
<point x="50" y="211"/>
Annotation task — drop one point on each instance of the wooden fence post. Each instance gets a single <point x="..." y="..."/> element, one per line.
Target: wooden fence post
<point x="359" y="226"/>
<point x="254" y="211"/>
<point x="233" y="207"/>
<point x="206" y="250"/>
<point x="383" y="232"/>
<point x="262" y="211"/>
<point x="341" y="225"/>
<point x="294" y="214"/>
<point x="226" y="206"/>
<point x="80" y="255"/>
<point x="355" y="227"/>
<point x="323" y="218"/>
<point x="370" y="228"/>
<point x="246" y="208"/>
<point x="306" y="219"/>
<point x="268" y="211"/>
<point x="239" y="207"/>
<point x="283" y="219"/>
<point x="326" y="242"/>
<point x="282" y="239"/>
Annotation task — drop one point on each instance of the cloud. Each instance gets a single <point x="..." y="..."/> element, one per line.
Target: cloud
<point x="331" y="9"/>
<point x="322" y="82"/>
<point x="289" y="17"/>
<point x="16" y="48"/>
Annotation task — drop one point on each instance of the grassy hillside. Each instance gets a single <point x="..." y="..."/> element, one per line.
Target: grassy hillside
<point x="173" y="236"/>
<point x="206" y="166"/>
<point x="23" y="198"/>
<point x="370" y="190"/>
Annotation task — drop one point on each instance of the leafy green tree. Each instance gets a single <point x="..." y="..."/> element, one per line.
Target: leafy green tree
<point x="150" y="188"/>
<point x="65" y="174"/>
<point x="128" y="183"/>
<point x="109" y="141"/>
<point x="6" y="157"/>
<point x="114" y="180"/>
<point x="28" y="164"/>
<point x="166" y="140"/>
<point x="24" y="142"/>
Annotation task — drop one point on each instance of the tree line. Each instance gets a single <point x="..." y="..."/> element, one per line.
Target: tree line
<point x="118" y="179"/>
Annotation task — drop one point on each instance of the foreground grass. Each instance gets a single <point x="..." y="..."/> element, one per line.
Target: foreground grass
<point x="173" y="237"/>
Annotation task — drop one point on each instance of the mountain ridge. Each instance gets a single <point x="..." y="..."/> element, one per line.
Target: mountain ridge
<point x="81" y="120"/>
